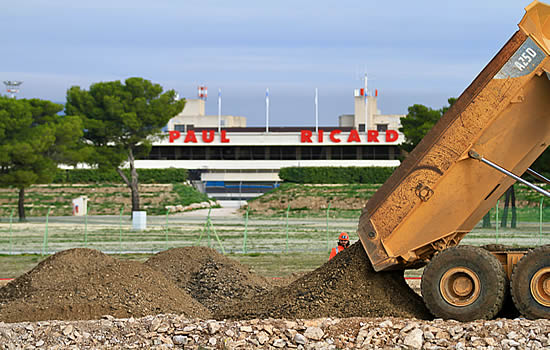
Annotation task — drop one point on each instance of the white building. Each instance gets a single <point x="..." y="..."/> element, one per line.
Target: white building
<point x="194" y="116"/>
<point x="375" y="120"/>
<point x="239" y="162"/>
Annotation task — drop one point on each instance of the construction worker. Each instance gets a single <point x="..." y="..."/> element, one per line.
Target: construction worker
<point x="343" y="243"/>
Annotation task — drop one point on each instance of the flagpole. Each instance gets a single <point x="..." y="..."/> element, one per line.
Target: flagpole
<point x="316" y="110"/>
<point x="219" y="110"/>
<point x="366" y="107"/>
<point x="267" y="110"/>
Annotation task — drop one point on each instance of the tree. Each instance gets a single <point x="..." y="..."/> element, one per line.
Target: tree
<point x="418" y="122"/>
<point x="119" y="120"/>
<point x="34" y="139"/>
<point x="542" y="164"/>
<point x="510" y="197"/>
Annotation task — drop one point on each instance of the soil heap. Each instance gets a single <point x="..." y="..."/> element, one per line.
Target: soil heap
<point x="345" y="286"/>
<point x="208" y="276"/>
<point x="81" y="284"/>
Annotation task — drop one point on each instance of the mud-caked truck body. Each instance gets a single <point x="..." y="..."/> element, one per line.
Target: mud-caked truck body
<point x="495" y="130"/>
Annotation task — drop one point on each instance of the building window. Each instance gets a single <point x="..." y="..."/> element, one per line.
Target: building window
<point x="258" y="153"/>
<point x="199" y="153"/>
<point x="274" y="152"/>
<point x="214" y="153"/>
<point x="382" y="127"/>
<point x="289" y="153"/>
<point x="179" y="127"/>
<point x="361" y="127"/>
<point x="349" y="152"/>
<point x="244" y="153"/>
<point x="318" y="153"/>
<point x="189" y="126"/>
<point x="228" y="153"/>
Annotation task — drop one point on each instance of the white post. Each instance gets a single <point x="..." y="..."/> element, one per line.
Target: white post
<point x="219" y="110"/>
<point x="316" y="110"/>
<point x="267" y="110"/>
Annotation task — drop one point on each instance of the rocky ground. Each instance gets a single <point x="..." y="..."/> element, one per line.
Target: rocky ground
<point x="172" y="331"/>
<point x="196" y="298"/>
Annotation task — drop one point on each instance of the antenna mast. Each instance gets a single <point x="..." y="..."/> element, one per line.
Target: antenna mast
<point x="12" y="87"/>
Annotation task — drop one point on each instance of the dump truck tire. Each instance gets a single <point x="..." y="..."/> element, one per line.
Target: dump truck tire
<point x="464" y="283"/>
<point x="530" y="283"/>
<point x="509" y="309"/>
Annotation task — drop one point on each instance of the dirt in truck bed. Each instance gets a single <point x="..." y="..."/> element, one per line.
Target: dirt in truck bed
<point x="199" y="282"/>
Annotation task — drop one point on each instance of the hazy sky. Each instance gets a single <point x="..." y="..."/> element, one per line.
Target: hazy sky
<point x="413" y="51"/>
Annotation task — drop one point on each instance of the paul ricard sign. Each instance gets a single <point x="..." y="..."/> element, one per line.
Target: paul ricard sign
<point x="304" y="136"/>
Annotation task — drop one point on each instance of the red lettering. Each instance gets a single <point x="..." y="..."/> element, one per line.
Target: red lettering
<point x="224" y="137"/>
<point x="190" y="137"/>
<point x="208" y="138"/>
<point x="306" y="136"/>
<point x="391" y="135"/>
<point x="174" y="135"/>
<point x="372" y="136"/>
<point x="354" y="136"/>
<point x="320" y="136"/>
<point x="333" y="134"/>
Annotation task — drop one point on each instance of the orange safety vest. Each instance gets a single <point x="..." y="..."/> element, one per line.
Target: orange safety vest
<point x="335" y="251"/>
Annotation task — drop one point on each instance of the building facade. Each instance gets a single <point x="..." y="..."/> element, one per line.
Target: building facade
<point x="238" y="162"/>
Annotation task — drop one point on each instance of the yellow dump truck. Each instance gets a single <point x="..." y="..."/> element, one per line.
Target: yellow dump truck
<point x="491" y="135"/>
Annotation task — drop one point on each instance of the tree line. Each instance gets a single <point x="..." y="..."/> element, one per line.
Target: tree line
<point x="106" y="127"/>
<point x="109" y="126"/>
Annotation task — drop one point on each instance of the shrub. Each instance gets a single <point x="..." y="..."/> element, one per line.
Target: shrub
<point x="146" y="176"/>
<point x="336" y="175"/>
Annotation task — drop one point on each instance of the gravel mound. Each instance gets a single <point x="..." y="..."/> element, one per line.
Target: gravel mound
<point x="208" y="276"/>
<point x="345" y="286"/>
<point x="82" y="284"/>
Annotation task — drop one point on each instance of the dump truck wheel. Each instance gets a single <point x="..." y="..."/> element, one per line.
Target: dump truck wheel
<point x="530" y="283"/>
<point x="464" y="283"/>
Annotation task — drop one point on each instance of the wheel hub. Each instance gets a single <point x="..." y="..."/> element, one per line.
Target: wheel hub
<point x="460" y="286"/>
<point x="540" y="286"/>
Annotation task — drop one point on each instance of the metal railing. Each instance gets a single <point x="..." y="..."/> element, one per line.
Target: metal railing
<point x="237" y="234"/>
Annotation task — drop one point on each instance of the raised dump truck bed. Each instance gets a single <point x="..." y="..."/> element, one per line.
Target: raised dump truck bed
<point x="450" y="180"/>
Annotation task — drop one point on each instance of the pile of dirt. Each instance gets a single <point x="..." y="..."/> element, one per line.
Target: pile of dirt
<point x="81" y="284"/>
<point x="346" y="286"/>
<point x="208" y="276"/>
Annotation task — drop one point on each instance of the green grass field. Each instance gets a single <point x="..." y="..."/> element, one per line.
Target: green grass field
<point x="271" y="244"/>
<point x="272" y="248"/>
<point x="267" y="264"/>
